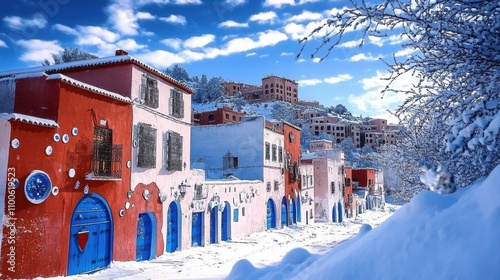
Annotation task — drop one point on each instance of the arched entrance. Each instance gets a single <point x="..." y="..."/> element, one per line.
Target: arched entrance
<point x="197" y="229"/>
<point x="91" y="235"/>
<point x="214" y="224"/>
<point x="146" y="237"/>
<point x="271" y="214"/>
<point x="339" y="209"/>
<point x="173" y="226"/>
<point x="334" y="213"/>
<point x="299" y="214"/>
<point x="292" y="211"/>
<point x="283" y="212"/>
<point x="226" y="222"/>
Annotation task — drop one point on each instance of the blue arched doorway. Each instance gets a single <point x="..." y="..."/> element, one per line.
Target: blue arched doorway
<point x="271" y="214"/>
<point x="197" y="226"/>
<point x="174" y="226"/>
<point x="283" y="212"/>
<point x="226" y="222"/>
<point x="91" y="235"/>
<point x="339" y="209"/>
<point x="299" y="214"/>
<point x="334" y="213"/>
<point x="146" y="237"/>
<point x="214" y="225"/>
<point x="292" y="211"/>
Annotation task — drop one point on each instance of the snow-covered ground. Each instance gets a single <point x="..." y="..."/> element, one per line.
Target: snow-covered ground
<point x="261" y="249"/>
<point x="434" y="236"/>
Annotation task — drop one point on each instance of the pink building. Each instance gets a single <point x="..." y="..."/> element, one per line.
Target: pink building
<point x="278" y="88"/>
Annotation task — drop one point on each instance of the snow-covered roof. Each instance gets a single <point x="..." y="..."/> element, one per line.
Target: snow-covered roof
<point x="97" y="62"/>
<point x="28" y="119"/>
<point x="88" y="87"/>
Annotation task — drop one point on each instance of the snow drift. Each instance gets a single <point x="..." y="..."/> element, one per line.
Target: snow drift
<point x="434" y="236"/>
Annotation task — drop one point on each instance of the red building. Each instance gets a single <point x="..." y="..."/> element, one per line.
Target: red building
<point x="292" y="174"/>
<point x="348" y="199"/>
<point x="67" y="176"/>
<point x="363" y="178"/>
<point x="219" y="116"/>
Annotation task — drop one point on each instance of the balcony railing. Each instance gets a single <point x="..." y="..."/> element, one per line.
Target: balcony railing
<point x="107" y="162"/>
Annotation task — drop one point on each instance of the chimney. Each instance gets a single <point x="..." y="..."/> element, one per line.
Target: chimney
<point x="121" y="52"/>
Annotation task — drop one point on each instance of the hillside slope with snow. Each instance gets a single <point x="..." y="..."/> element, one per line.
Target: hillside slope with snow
<point x="452" y="236"/>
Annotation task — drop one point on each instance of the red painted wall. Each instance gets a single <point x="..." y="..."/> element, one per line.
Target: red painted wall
<point x="36" y="97"/>
<point x="292" y="148"/>
<point x="347" y="184"/>
<point x="363" y="175"/>
<point x="41" y="239"/>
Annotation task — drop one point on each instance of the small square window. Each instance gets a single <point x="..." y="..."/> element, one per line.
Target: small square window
<point x="236" y="215"/>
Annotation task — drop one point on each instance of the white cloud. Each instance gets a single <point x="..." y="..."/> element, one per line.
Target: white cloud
<point x="350" y="44"/>
<point x="199" y="41"/>
<point x="18" y="23"/>
<point x="309" y="82"/>
<point x="264" y="17"/>
<point x="244" y="44"/>
<point x="234" y="3"/>
<point x="174" y="43"/>
<point x="301" y="60"/>
<point x="301" y="2"/>
<point x="122" y="18"/>
<point x="38" y="50"/>
<point x="264" y="55"/>
<point x="3" y="44"/>
<point x="316" y="60"/>
<point x="299" y="31"/>
<point x="164" y="2"/>
<point x="174" y="19"/>
<point x="278" y="3"/>
<point x="373" y="103"/>
<point x="365" y="57"/>
<point x="161" y="59"/>
<point x="129" y="45"/>
<point x="66" y="29"/>
<point x="338" y="79"/>
<point x="305" y="16"/>
<point x="286" y="53"/>
<point x="232" y="24"/>
<point x="144" y="15"/>
<point x="405" y="52"/>
<point x="95" y="35"/>
<point x="378" y="41"/>
<point x="251" y="54"/>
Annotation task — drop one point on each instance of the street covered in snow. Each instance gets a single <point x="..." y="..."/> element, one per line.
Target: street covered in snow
<point x="261" y="249"/>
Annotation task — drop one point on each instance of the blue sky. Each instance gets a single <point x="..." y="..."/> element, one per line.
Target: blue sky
<point x="239" y="40"/>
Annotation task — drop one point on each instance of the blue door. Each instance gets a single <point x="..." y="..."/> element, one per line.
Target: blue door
<point x="292" y="212"/>
<point x="299" y="215"/>
<point x="334" y="213"/>
<point x="339" y="209"/>
<point x="283" y="212"/>
<point x="214" y="214"/>
<point x="173" y="227"/>
<point x="91" y="235"/>
<point x="226" y="222"/>
<point x="271" y="214"/>
<point x="146" y="237"/>
<point x="197" y="227"/>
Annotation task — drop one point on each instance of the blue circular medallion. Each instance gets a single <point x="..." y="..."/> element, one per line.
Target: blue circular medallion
<point x="37" y="187"/>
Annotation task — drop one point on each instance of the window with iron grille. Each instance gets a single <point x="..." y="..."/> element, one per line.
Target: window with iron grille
<point x="333" y="187"/>
<point x="149" y="91"/>
<point x="294" y="172"/>
<point x="268" y="187"/>
<point x="146" y="156"/>
<point x="268" y="152"/>
<point x="280" y="154"/>
<point x="176" y="104"/>
<point x="174" y="151"/>
<point x="274" y="153"/>
<point x="276" y="185"/>
<point x="106" y="157"/>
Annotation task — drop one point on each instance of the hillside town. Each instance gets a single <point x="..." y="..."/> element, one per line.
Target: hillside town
<point x="106" y="161"/>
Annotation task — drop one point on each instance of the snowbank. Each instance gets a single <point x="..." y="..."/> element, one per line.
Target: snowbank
<point x="452" y="236"/>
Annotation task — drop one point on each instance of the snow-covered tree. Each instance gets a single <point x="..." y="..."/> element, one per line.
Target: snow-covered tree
<point x="456" y="61"/>
<point x="208" y="90"/>
<point x="68" y="55"/>
<point x="178" y="73"/>
<point x="282" y="111"/>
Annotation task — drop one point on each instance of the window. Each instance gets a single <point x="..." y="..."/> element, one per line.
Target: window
<point x="276" y="185"/>
<point x="243" y="211"/>
<point x="234" y="118"/>
<point x="229" y="161"/>
<point x="236" y="215"/>
<point x="149" y="91"/>
<point x="146" y="156"/>
<point x="106" y="157"/>
<point x="274" y="152"/>
<point x="176" y="104"/>
<point x="311" y="179"/>
<point x="304" y="180"/>
<point x="268" y="187"/>
<point x="268" y="152"/>
<point x="280" y="154"/>
<point x="211" y="118"/>
<point x="174" y="151"/>
<point x="333" y="187"/>
<point x="294" y="172"/>
<point x="227" y="116"/>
